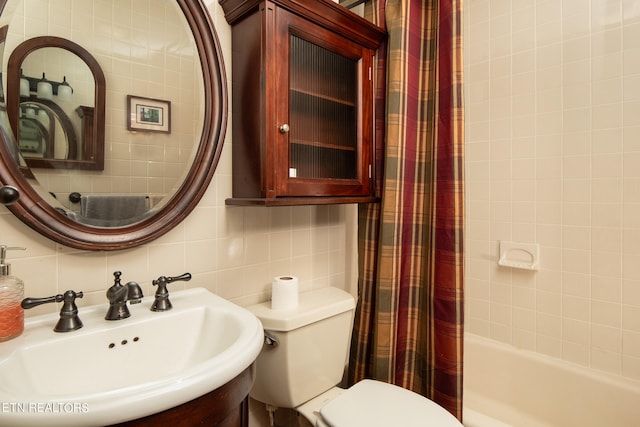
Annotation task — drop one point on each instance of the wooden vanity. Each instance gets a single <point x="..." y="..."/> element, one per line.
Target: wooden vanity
<point x="227" y="406"/>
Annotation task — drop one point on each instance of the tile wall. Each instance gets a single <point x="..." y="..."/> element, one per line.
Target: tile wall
<point x="553" y="157"/>
<point x="233" y="251"/>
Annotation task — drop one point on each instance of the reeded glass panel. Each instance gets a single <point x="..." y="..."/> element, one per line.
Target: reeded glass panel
<point x="322" y="113"/>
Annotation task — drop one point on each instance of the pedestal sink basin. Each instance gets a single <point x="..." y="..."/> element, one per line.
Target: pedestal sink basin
<point x="113" y="371"/>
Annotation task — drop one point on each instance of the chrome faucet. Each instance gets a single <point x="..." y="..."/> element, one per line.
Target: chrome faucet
<point x="161" y="302"/>
<point x="69" y="320"/>
<point x="118" y="295"/>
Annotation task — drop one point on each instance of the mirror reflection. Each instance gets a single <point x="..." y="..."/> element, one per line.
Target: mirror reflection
<point x="146" y="50"/>
<point x="45" y="132"/>
<point x="71" y="136"/>
<point x="51" y="113"/>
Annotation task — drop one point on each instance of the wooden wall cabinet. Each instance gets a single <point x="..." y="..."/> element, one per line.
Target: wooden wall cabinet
<point x="302" y="102"/>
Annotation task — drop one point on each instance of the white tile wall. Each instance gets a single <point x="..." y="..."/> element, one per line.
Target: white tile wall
<point x="553" y="157"/>
<point x="233" y="251"/>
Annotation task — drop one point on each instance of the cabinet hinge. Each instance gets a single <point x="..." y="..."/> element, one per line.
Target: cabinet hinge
<point x="370" y="171"/>
<point x="370" y="74"/>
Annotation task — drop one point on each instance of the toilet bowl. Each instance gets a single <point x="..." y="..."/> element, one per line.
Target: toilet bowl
<point x="304" y="358"/>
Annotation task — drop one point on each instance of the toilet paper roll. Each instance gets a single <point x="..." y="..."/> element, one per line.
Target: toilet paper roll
<point x="284" y="293"/>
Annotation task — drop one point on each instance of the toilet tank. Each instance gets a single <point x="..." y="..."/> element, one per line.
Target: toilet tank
<point x="313" y="344"/>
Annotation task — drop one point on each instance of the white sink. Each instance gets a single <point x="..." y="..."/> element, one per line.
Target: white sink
<point x="113" y="371"/>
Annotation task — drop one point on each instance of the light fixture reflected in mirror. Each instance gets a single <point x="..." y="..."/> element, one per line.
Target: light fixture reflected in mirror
<point x="65" y="91"/>
<point x="44" y="88"/>
<point x="43" y="117"/>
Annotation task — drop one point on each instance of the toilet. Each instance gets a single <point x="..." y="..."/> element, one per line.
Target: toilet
<point x="303" y="361"/>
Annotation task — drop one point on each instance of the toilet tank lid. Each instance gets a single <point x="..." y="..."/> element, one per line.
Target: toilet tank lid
<point x="313" y="306"/>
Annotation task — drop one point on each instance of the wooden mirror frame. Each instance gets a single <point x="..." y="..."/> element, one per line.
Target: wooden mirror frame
<point x="93" y="146"/>
<point x="35" y="212"/>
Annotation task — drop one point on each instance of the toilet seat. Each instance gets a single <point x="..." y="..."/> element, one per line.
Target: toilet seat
<point x="373" y="403"/>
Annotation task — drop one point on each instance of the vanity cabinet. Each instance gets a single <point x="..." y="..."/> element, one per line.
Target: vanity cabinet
<point x="302" y="102"/>
<point x="227" y="406"/>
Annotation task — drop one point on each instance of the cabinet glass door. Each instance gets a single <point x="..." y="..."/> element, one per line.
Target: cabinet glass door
<point x="323" y="113"/>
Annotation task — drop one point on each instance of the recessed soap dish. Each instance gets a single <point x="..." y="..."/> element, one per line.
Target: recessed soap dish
<point x="519" y="255"/>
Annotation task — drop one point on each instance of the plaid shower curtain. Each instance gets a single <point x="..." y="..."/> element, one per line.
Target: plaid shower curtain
<point x="409" y="319"/>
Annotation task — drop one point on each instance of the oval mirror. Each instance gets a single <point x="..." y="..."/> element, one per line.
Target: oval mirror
<point x="166" y="115"/>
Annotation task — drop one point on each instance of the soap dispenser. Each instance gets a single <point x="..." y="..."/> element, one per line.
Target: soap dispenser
<point x="11" y="294"/>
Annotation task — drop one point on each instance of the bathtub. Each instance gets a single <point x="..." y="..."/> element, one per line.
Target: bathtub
<point x="504" y="387"/>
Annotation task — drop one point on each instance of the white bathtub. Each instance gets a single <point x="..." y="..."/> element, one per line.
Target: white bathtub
<point x="504" y="386"/>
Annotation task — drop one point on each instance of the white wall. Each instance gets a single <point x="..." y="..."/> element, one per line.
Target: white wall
<point x="233" y="251"/>
<point x="553" y="157"/>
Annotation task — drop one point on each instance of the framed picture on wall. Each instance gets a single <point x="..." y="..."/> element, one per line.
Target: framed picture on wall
<point x="148" y="114"/>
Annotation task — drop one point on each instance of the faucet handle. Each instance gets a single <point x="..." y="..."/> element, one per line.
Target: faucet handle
<point x="69" y="320"/>
<point x="184" y="277"/>
<point x="28" y="303"/>
<point x="116" y="277"/>
<point x="161" y="302"/>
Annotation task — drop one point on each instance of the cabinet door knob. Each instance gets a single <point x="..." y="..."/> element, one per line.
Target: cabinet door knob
<point x="284" y="128"/>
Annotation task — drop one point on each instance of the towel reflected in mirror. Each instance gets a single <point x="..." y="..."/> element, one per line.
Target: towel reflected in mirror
<point x="113" y="209"/>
